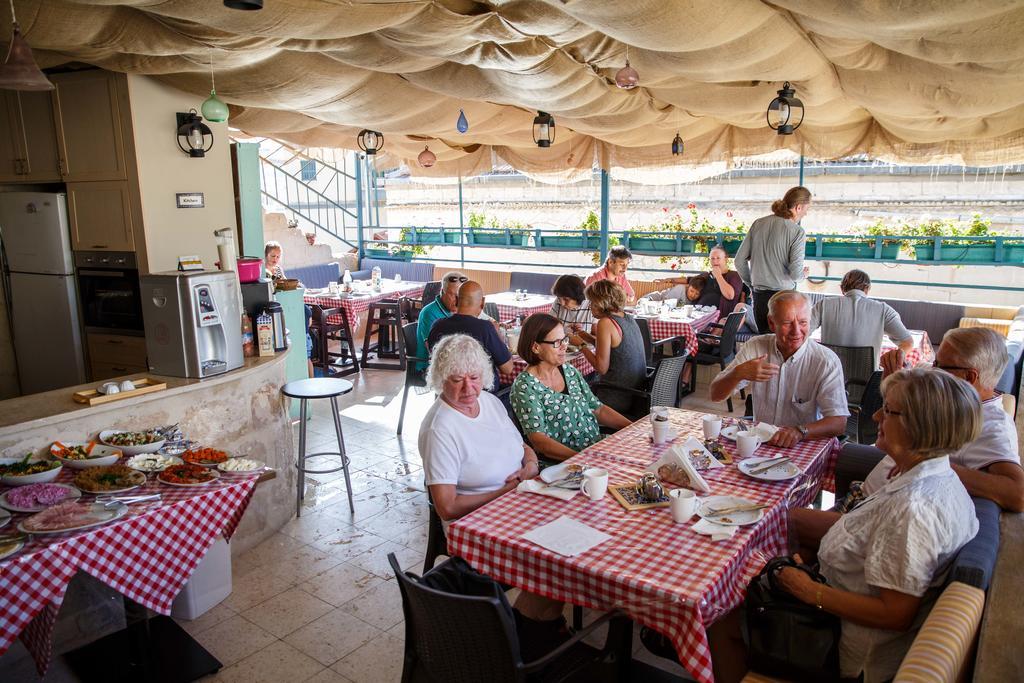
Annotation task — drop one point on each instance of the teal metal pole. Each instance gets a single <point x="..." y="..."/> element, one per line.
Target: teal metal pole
<point x="462" y="229"/>
<point x="359" y="204"/>
<point x="801" y="170"/>
<point x="604" y="215"/>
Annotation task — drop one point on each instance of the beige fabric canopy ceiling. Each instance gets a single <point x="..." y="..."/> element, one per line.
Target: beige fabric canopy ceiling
<point x="921" y="81"/>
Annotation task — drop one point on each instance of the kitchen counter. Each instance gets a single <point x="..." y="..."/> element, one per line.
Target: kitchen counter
<point x="242" y="412"/>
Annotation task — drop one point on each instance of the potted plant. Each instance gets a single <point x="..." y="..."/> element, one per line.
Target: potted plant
<point x="418" y="236"/>
<point x="484" y="231"/>
<point x="582" y="238"/>
<point x="951" y="249"/>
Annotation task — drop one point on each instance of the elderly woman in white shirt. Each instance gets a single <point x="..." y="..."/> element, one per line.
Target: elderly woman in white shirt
<point x="472" y="452"/>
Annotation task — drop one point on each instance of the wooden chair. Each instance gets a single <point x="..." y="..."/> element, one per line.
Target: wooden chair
<point x="333" y="363"/>
<point x="384" y="319"/>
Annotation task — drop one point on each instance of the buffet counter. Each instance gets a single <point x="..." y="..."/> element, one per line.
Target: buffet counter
<point x="242" y="412"/>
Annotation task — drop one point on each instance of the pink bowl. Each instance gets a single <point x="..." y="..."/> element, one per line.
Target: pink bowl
<point x="249" y="269"/>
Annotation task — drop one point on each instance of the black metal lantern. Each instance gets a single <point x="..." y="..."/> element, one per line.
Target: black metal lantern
<point x="194" y="137"/>
<point x="677" y="146"/>
<point x="370" y="141"/>
<point x="244" y="4"/>
<point x="786" y="112"/>
<point x="543" y="129"/>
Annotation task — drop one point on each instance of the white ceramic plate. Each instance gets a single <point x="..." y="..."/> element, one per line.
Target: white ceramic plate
<point x="730" y="432"/>
<point x="99" y="456"/>
<point x="141" y="478"/>
<point x="736" y="519"/>
<point x="73" y="494"/>
<point x="130" y="450"/>
<point x="554" y="473"/>
<point x="139" y="462"/>
<point x="216" y="476"/>
<point x="37" y="478"/>
<point x="258" y="466"/>
<point x="5" y="517"/>
<point x="8" y="549"/>
<point x="782" y="472"/>
<point x="97" y="516"/>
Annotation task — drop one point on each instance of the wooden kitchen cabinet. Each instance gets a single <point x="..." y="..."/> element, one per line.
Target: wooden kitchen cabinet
<point x="89" y="107"/>
<point x="101" y="216"/>
<point x="28" y="141"/>
<point x="114" y="355"/>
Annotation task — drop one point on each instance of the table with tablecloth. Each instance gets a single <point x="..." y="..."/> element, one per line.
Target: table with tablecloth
<point x="356" y="304"/>
<point x="663" y="575"/>
<point x="146" y="555"/>
<point x="577" y="360"/>
<point x="685" y="328"/>
<point x="509" y="307"/>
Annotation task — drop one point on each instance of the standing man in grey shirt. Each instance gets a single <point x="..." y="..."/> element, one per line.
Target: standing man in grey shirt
<point x="771" y="257"/>
<point x="853" y="319"/>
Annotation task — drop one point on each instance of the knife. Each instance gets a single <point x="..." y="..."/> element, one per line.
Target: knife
<point x="763" y="467"/>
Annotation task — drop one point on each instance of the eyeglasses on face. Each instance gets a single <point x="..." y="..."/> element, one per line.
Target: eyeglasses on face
<point x="885" y="409"/>
<point x="950" y="368"/>
<point x="456" y="278"/>
<point x="558" y="343"/>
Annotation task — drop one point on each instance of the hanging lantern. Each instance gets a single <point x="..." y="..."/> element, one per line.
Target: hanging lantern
<point x="462" y="125"/>
<point x="194" y="137"/>
<point x="370" y="141"/>
<point x="543" y="129"/>
<point x="427" y="158"/>
<point x="677" y="146"/>
<point x="786" y="112"/>
<point x="627" y="78"/>
<point x="20" y="71"/>
<point x="214" y="108"/>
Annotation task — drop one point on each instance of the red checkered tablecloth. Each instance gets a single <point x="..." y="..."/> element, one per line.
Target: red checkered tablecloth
<point x="663" y="575"/>
<point x="509" y="307"/>
<point x="360" y="303"/>
<point x="665" y="326"/>
<point x="147" y="555"/>
<point x="577" y="360"/>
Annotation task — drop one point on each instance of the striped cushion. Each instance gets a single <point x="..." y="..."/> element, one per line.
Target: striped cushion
<point x="943" y="645"/>
<point x="1000" y="326"/>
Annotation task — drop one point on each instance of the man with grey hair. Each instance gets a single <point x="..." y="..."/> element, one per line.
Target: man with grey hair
<point x="989" y="466"/>
<point x="443" y="305"/>
<point x="797" y="386"/>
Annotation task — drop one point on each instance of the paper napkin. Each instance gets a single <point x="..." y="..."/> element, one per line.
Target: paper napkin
<point x="566" y="536"/>
<point x="717" y="532"/>
<point x="534" y="486"/>
<point x="677" y="455"/>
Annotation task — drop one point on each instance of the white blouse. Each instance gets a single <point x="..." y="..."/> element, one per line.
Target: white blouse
<point x="902" y="538"/>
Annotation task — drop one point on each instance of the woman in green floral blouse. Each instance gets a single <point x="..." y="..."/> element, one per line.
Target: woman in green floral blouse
<point x="555" y="407"/>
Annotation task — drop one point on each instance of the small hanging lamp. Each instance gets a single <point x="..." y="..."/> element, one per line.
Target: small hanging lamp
<point x="19" y="70"/>
<point x="244" y="4"/>
<point x="785" y="113"/>
<point x="677" y="146"/>
<point x="627" y="77"/>
<point x="194" y="137"/>
<point x="370" y="141"/>
<point x="543" y="129"/>
<point x="462" y="125"/>
<point x="427" y="158"/>
<point x="214" y="108"/>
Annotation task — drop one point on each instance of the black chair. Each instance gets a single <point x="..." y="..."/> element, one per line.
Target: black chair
<point x="717" y="349"/>
<point x="471" y="636"/>
<point x="413" y="306"/>
<point x="333" y="363"/>
<point x="491" y="309"/>
<point x="413" y="377"/>
<point x="860" y="426"/>
<point x="437" y="542"/>
<point x="859" y="371"/>
<point x="662" y="390"/>
<point x="384" y="319"/>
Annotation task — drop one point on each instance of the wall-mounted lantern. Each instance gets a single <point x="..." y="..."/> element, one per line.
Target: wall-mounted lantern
<point x="194" y="137"/>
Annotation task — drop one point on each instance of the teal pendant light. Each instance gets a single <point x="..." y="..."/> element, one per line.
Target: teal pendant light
<point x="214" y="108"/>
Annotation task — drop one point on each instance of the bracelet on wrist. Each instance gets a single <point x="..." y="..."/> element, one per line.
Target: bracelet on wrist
<point x="817" y="598"/>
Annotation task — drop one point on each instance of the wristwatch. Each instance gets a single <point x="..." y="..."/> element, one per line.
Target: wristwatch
<point x="804" y="431"/>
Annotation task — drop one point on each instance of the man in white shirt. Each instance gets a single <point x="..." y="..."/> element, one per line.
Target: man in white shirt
<point x="797" y="383"/>
<point x="989" y="466"/>
<point x="854" y="319"/>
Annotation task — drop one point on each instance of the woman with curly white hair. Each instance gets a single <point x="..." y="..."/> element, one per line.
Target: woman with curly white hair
<point x="472" y="452"/>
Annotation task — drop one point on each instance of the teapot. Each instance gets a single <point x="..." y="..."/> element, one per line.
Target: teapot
<point x="649" y="488"/>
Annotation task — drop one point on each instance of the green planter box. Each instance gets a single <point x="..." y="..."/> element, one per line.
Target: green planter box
<point x="852" y="250"/>
<point x="961" y="252"/>
<point x="385" y="254"/>
<point x="434" y="237"/>
<point x="661" y="245"/>
<point x="570" y="242"/>
<point x="731" y="245"/>
<point x="499" y="238"/>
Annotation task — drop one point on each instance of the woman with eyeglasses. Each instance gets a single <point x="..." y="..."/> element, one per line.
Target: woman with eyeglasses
<point x="886" y="559"/>
<point x="556" y="409"/>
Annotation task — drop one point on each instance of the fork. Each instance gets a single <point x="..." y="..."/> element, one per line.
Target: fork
<point x="769" y="464"/>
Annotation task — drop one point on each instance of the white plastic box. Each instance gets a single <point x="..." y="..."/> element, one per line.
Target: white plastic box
<point x="209" y="584"/>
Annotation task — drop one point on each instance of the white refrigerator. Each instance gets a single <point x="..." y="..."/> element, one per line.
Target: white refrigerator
<point x="39" y="285"/>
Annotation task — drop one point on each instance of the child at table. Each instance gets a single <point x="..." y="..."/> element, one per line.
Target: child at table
<point x="272" y="253"/>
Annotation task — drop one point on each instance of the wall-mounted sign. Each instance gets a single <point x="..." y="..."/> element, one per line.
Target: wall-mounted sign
<point x="190" y="200"/>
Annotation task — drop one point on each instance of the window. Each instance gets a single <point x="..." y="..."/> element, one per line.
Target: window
<point x="308" y="169"/>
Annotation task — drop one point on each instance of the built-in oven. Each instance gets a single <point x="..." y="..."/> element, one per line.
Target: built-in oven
<point x="108" y="286"/>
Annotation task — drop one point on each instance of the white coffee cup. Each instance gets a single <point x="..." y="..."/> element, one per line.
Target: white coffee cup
<point x="747" y="443"/>
<point x="659" y="412"/>
<point x="683" y="503"/>
<point x="712" y="426"/>
<point x="332" y="287"/>
<point x="398" y="277"/>
<point x="661" y="429"/>
<point x="111" y="388"/>
<point x="127" y="385"/>
<point x="595" y="483"/>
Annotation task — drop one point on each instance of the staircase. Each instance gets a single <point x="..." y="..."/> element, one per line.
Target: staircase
<point x="295" y="247"/>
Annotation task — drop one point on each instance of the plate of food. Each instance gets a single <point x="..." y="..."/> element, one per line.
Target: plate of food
<point x="10" y="544"/>
<point x="730" y="510"/>
<point x="565" y="475"/>
<point x="152" y="462"/>
<point x="241" y="466"/>
<point x="187" y="475"/>
<point x="207" y="457"/>
<point x="25" y="472"/>
<point x="5" y="517"/>
<point x="782" y="471"/>
<point x="37" y="497"/>
<point x="132" y="443"/>
<point x="78" y="456"/>
<point x="109" y="479"/>
<point x="70" y="517"/>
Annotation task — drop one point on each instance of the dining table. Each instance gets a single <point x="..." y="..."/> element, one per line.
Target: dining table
<point x="356" y="304"/>
<point x="512" y="305"/>
<point x="662" y="574"/>
<point x="679" y="325"/>
<point x="147" y="554"/>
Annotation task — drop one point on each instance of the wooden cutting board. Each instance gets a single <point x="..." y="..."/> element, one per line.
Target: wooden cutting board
<point x="145" y="385"/>
<point x="627" y="497"/>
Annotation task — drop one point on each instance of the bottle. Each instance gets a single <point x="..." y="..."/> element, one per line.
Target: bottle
<point x="248" y="341"/>
<point x="375" y="278"/>
<point x="346" y="281"/>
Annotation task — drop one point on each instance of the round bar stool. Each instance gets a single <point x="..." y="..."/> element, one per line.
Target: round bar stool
<point x="307" y="390"/>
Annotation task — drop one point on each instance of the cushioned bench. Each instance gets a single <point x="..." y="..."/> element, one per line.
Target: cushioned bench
<point x="411" y="272"/>
<point x="534" y="283"/>
<point x="316" y="276"/>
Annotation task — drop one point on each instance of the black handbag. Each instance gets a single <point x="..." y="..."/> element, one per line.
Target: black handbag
<point x="786" y="637"/>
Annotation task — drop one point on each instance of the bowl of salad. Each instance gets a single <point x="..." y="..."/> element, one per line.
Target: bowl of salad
<point x="132" y="443"/>
<point x="30" y="472"/>
<point x="79" y="456"/>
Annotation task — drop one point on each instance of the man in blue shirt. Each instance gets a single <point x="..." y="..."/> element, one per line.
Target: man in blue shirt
<point x="466" y="320"/>
<point x="441" y="307"/>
